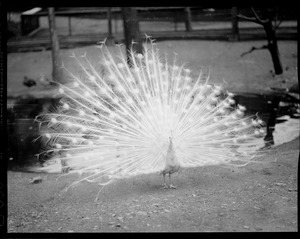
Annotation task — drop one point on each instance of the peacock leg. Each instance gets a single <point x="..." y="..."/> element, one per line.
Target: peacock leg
<point x="171" y="186"/>
<point x="164" y="186"/>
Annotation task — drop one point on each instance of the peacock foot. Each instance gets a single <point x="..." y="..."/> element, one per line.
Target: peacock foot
<point x="172" y="186"/>
<point x="164" y="186"/>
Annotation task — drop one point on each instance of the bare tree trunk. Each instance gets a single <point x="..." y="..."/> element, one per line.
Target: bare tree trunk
<point x="273" y="47"/>
<point x="109" y="22"/>
<point x="269" y="15"/>
<point x="235" y="35"/>
<point x="110" y="38"/>
<point x="131" y="31"/>
<point x="188" y="19"/>
<point x="57" y="74"/>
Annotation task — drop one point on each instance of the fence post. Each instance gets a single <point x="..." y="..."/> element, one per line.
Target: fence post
<point x="70" y="26"/>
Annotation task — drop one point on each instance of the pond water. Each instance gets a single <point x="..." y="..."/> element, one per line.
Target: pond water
<point x="22" y="130"/>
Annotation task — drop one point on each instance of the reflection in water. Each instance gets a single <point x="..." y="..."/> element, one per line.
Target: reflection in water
<point x="22" y="130"/>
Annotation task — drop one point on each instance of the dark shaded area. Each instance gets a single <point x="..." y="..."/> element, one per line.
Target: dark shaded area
<point x="23" y="131"/>
<point x="29" y="23"/>
<point x="267" y="103"/>
<point x="13" y="30"/>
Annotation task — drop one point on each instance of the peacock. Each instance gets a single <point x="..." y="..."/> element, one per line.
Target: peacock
<point x="117" y="120"/>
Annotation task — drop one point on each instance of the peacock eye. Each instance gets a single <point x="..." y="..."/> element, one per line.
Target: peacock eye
<point x="81" y="112"/>
<point x="74" y="141"/>
<point x="139" y="56"/>
<point x="75" y="84"/>
<point x="107" y="63"/>
<point x="66" y="106"/>
<point x="121" y="65"/>
<point x="92" y="78"/>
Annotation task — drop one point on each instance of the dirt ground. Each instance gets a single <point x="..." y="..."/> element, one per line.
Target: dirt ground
<point x="255" y="198"/>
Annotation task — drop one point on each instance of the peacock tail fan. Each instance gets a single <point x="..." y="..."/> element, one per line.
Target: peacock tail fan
<point x="114" y="121"/>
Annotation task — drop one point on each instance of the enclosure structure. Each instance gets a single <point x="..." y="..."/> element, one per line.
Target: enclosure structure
<point x="30" y="21"/>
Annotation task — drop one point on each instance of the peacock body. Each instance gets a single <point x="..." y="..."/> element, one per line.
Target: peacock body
<point x="122" y="121"/>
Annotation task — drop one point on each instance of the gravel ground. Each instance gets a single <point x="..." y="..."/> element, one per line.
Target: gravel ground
<point x="255" y="198"/>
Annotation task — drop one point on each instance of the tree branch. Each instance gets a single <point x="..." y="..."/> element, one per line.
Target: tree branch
<point x="253" y="49"/>
<point x="251" y="19"/>
<point x="262" y="22"/>
<point x="255" y="19"/>
<point x="277" y="23"/>
<point x="277" y="20"/>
